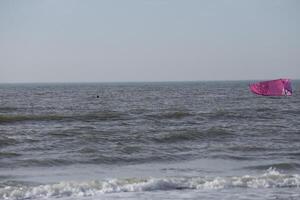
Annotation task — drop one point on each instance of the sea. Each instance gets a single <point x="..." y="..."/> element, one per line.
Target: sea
<point x="158" y="140"/>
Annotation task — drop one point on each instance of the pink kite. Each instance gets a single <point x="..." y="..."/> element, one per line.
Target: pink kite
<point x="279" y="87"/>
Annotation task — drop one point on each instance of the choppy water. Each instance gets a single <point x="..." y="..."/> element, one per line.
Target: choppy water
<point x="194" y="140"/>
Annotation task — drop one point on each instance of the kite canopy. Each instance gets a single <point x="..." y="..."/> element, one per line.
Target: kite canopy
<point x="279" y="87"/>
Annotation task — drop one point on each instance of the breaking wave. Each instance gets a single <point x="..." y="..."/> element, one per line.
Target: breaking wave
<point x="270" y="179"/>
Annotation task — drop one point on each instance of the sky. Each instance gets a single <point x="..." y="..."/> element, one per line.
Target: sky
<point x="148" y="40"/>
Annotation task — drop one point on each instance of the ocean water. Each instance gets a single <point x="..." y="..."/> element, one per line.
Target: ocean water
<point x="181" y="140"/>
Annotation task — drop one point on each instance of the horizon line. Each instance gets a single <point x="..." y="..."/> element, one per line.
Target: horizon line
<point x="160" y="81"/>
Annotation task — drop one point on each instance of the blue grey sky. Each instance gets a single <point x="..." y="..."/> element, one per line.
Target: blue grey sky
<point x="148" y="40"/>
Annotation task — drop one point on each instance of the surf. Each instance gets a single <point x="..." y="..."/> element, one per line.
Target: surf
<point x="271" y="178"/>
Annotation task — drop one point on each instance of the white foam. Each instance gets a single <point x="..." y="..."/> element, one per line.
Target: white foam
<point x="270" y="179"/>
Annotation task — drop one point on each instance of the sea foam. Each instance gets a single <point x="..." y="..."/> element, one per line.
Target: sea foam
<point x="270" y="179"/>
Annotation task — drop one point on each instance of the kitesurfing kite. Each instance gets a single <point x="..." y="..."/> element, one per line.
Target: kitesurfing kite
<point x="279" y="87"/>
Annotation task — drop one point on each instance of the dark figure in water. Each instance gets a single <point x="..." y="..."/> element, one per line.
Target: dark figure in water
<point x="97" y="96"/>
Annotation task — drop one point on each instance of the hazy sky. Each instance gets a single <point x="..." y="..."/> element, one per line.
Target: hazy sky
<point x="148" y="40"/>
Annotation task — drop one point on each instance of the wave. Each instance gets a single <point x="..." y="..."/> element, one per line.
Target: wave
<point x="8" y="109"/>
<point x="293" y="111"/>
<point x="281" y="166"/>
<point x="264" y="109"/>
<point x="170" y="115"/>
<point x="6" y="141"/>
<point x="91" y="156"/>
<point x="9" y="154"/>
<point x="226" y="156"/>
<point x="225" y="114"/>
<point x="84" y="117"/>
<point x="241" y="113"/>
<point x="248" y="148"/>
<point x="20" y="118"/>
<point x="270" y="179"/>
<point x="179" y="136"/>
<point x="44" y="162"/>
